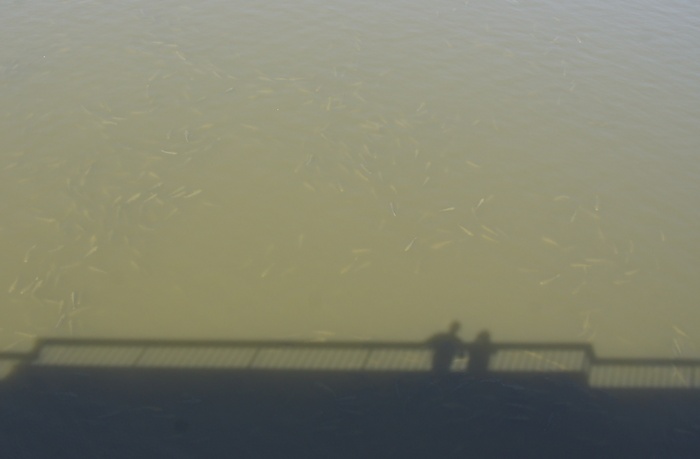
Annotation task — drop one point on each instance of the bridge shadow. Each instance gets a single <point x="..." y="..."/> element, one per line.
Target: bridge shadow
<point x="168" y="398"/>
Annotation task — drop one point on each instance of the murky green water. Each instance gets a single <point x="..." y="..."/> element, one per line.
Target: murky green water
<point x="351" y="170"/>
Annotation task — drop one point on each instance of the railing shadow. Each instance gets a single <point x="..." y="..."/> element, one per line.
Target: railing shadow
<point x="575" y="361"/>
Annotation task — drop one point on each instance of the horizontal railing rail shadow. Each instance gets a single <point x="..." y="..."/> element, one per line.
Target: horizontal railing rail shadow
<point x="577" y="360"/>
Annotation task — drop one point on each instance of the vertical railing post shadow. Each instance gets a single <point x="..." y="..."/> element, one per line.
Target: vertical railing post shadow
<point x="253" y="357"/>
<point x="363" y="367"/>
<point x="692" y="376"/>
<point x="591" y="360"/>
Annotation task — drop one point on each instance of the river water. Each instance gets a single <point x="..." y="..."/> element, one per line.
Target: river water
<point x="352" y="170"/>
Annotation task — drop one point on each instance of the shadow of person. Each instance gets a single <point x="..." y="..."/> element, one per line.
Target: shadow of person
<point x="479" y="354"/>
<point x="446" y="346"/>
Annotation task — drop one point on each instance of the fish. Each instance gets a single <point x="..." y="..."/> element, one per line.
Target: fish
<point x="133" y="198"/>
<point x="29" y="286"/>
<point x="13" y="286"/>
<point x="486" y="228"/>
<point x="192" y="194"/>
<point x="440" y="245"/>
<point x="29" y="252"/>
<point x="551" y="279"/>
<point x="469" y="233"/>
<point x="410" y="244"/>
<point x="679" y="331"/>
<point x="550" y="241"/>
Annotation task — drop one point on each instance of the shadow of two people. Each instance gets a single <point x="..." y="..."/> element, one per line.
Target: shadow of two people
<point x="447" y="346"/>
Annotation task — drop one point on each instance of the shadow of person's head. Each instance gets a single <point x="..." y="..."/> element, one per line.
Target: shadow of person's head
<point x="484" y="337"/>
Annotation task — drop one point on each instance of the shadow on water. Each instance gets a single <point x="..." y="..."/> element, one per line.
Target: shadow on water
<point x="258" y="399"/>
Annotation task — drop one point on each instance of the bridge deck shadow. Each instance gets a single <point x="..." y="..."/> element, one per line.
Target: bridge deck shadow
<point x="159" y="398"/>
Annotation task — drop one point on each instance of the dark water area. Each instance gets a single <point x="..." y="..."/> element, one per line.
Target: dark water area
<point x="61" y="413"/>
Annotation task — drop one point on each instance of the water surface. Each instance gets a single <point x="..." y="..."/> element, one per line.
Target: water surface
<point x="351" y="170"/>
